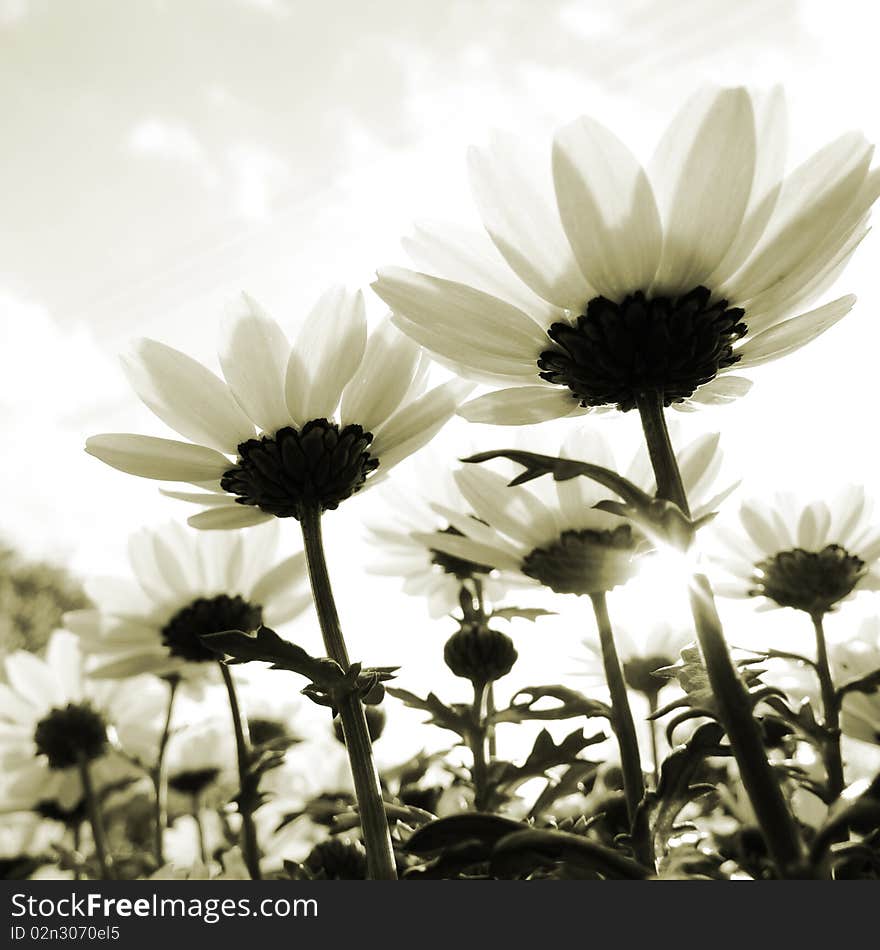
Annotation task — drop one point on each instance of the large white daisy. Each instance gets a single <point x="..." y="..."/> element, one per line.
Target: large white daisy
<point x="52" y="717"/>
<point x="307" y="424"/>
<point x="806" y="556"/>
<point x="551" y="532"/>
<point x="187" y="583"/>
<point x="605" y="283"/>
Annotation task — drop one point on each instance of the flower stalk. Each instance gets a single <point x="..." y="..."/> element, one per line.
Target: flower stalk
<point x="96" y="820"/>
<point x="477" y="737"/>
<point x="830" y="712"/>
<point x="159" y="776"/>
<point x="247" y="790"/>
<point x="374" y="824"/>
<point x="734" y="703"/>
<point x="622" y="722"/>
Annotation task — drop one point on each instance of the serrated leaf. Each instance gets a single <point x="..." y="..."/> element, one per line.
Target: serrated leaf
<point x="868" y="683"/>
<point x="545" y="755"/>
<point x="457" y="720"/>
<point x="569" y="703"/>
<point x="265" y="646"/>
<point x="522" y="613"/>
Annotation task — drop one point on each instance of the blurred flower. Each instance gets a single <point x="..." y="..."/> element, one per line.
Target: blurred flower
<point x="310" y="423"/>
<point x="611" y="282"/>
<point x="52" y="718"/>
<point x="552" y="532"/>
<point x="187" y="584"/>
<point x="809" y="557"/>
<point x="404" y="548"/>
<point x="199" y="757"/>
<point x="853" y="659"/>
<point x="654" y="644"/>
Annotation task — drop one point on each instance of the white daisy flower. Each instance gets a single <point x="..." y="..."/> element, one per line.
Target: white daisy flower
<point x="307" y="424"/>
<point x="53" y="718"/>
<point x="551" y="532"/>
<point x="404" y="549"/>
<point x="806" y="556"/>
<point x="186" y="583"/>
<point x="605" y="283"/>
<point x="851" y="660"/>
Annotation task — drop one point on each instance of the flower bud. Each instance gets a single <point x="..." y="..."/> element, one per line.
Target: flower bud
<point x="479" y="654"/>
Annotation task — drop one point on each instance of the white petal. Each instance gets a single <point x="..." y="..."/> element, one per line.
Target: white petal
<point x="521" y="406"/>
<point x="65" y="660"/>
<point x="470" y="550"/>
<point x="721" y="390"/>
<point x="416" y="424"/>
<point x="792" y="334"/>
<point x="514" y="193"/>
<point x="469" y="257"/>
<point x="814" y="199"/>
<point x="33" y="679"/>
<point x="186" y="396"/>
<point x="227" y="518"/>
<point x="699" y="462"/>
<point x="16" y="707"/>
<point x="254" y="355"/>
<point x="702" y="173"/>
<point x="813" y="526"/>
<point x="162" y="459"/>
<point x="279" y="580"/>
<point x="327" y="353"/>
<point x="382" y="380"/>
<point x="607" y="208"/>
<point x="206" y="499"/>
<point x="771" y="128"/>
<point x="285" y="608"/>
<point x="765" y="533"/>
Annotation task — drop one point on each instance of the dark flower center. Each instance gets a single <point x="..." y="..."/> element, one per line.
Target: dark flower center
<point x="208" y="615"/>
<point x="813" y="581"/>
<point x="71" y="734"/>
<point x="193" y="781"/>
<point x="459" y="567"/>
<point x="319" y="465"/>
<point x="638" y="672"/>
<point x="263" y="730"/>
<point x="584" y="562"/>
<point x="338" y="860"/>
<point x="72" y="817"/>
<point x="616" y="352"/>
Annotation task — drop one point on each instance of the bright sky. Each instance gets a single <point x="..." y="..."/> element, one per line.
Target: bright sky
<point x="161" y="156"/>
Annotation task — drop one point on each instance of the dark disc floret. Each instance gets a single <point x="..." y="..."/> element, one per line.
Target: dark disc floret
<point x="638" y="671"/>
<point x="459" y="567"/>
<point x="319" y="465"/>
<point x="585" y="561"/>
<point x="616" y="352"/>
<point x="208" y="615"/>
<point x="70" y="735"/>
<point x="193" y="781"/>
<point x="813" y="581"/>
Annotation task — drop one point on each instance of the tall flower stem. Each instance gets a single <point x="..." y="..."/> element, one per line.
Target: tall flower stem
<point x="830" y="712"/>
<point x="621" y="720"/>
<point x="477" y="736"/>
<point x="653" y="706"/>
<point x="196" y="811"/>
<point x="734" y="703"/>
<point x="159" y="777"/>
<point x="96" y="820"/>
<point x="491" y="709"/>
<point x="250" y="848"/>
<point x="374" y="824"/>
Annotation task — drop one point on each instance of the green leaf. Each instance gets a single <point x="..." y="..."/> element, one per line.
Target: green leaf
<point x="520" y="853"/>
<point x="265" y="646"/>
<point x="456" y="719"/>
<point x="545" y="755"/>
<point x="868" y="683"/>
<point x="454" y="830"/>
<point x="570" y="703"/>
<point x="521" y="613"/>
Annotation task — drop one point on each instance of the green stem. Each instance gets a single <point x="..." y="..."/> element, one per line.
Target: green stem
<point x="734" y="703"/>
<point x="96" y="820"/>
<point x="830" y="711"/>
<point x="653" y="706"/>
<point x="622" y="721"/>
<point x="159" y="777"/>
<point x="477" y="743"/>
<point x="250" y="848"/>
<point x="374" y="824"/>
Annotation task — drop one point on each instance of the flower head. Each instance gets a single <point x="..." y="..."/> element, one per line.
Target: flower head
<point x="551" y="532"/>
<point x="404" y="546"/>
<point x="186" y="584"/>
<point x="604" y="282"/>
<point x="809" y="557"/>
<point x="291" y="426"/>
<point x="53" y="719"/>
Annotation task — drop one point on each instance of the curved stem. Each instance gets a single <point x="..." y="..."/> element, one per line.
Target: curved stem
<point x="374" y="824"/>
<point x="653" y="706"/>
<point x="734" y="702"/>
<point x="830" y="712"/>
<point x="250" y="849"/>
<point x="96" y="820"/>
<point x="159" y="777"/>
<point x="622" y="721"/>
<point x="196" y="811"/>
